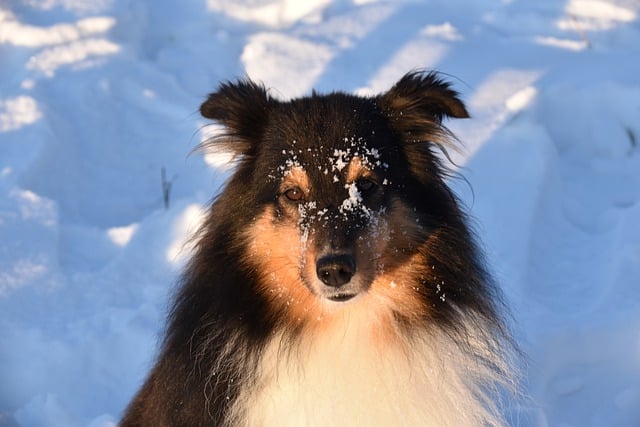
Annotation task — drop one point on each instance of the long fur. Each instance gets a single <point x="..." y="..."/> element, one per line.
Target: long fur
<point x="257" y="336"/>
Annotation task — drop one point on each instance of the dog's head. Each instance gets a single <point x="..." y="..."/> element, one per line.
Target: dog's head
<point x="343" y="196"/>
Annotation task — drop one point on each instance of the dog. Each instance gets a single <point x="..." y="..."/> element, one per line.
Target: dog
<point x="335" y="280"/>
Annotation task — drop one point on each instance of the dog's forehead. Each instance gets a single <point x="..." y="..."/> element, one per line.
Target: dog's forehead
<point x="325" y="134"/>
<point x="337" y="157"/>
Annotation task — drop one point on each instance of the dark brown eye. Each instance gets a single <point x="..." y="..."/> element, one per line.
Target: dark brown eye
<point x="294" y="194"/>
<point x="365" y="185"/>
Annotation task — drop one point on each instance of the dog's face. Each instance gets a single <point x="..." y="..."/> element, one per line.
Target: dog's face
<point x="333" y="195"/>
<point x="348" y="193"/>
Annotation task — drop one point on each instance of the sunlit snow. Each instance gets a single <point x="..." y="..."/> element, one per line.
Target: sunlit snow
<point x="98" y="97"/>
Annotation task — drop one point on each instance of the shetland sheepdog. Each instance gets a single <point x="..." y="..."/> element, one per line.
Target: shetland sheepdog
<point x="335" y="280"/>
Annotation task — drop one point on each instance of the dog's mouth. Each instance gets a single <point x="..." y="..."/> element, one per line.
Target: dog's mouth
<point x="341" y="297"/>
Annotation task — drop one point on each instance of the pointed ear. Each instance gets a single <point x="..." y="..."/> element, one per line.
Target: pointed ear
<point x="416" y="106"/>
<point x="424" y="95"/>
<point x="243" y="108"/>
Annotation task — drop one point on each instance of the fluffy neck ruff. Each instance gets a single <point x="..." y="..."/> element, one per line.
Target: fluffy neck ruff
<point x="361" y="369"/>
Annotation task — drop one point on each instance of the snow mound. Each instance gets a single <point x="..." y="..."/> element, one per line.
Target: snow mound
<point x="98" y="114"/>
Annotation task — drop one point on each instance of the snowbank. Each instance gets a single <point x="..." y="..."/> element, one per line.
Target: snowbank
<point x="97" y="97"/>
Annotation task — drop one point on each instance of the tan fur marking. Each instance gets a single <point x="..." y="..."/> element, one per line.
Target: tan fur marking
<point x="296" y="177"/>
<point x="279" y="254"/>
<point x="401" y="290"/>
<point x="356" y="170"/>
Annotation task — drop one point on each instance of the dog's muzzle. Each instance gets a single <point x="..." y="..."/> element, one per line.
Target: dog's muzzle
<point x="335" y="271"/>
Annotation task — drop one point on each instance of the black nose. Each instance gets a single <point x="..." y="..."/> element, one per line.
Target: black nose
<point x="335" y="270"/>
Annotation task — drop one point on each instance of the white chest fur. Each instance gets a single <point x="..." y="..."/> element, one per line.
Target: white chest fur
<point x="348" y="375"/>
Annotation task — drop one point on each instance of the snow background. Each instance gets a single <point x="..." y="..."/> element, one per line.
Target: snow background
<point x="97" y="96"/>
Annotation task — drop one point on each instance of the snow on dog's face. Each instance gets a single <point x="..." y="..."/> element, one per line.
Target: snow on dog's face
<point x="347" y="195"/>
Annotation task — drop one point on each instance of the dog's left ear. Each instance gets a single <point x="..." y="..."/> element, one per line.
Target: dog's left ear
<point x="417" y="104"/>
<point x="243" y="108"/>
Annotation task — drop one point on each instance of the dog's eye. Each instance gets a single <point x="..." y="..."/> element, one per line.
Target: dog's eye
<point x="294" y="194"/>
<point x="365" y="185"/>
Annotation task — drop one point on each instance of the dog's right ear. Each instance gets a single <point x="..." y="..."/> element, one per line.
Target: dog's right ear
<point x="243" y="108"/>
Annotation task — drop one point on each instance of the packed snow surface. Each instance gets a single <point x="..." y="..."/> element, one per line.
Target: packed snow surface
<point x="97" y="97"/>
